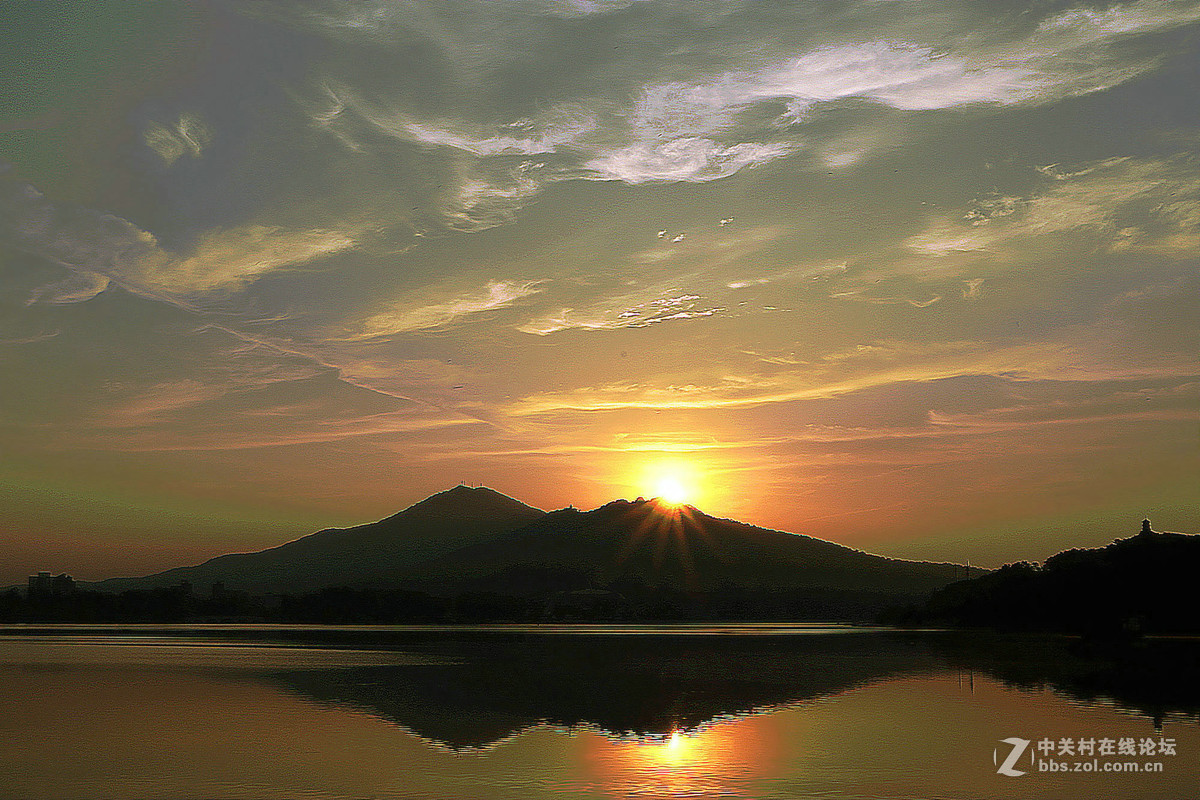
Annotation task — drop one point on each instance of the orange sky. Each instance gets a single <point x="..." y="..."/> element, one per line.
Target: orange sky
<point x="920" y="281"/>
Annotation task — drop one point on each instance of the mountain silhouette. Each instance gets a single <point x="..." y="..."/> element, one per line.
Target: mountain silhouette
<point x="647" y="543"/>
<point x="627" y="556"/>
<point x="376" y="554"/>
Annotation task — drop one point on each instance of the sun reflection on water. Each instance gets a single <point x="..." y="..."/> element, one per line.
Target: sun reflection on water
<point x="716" y="759"/>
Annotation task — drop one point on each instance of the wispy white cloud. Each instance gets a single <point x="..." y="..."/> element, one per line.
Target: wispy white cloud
<point x="229" y="258"/>
<point x="1119" y="20"/>
<point x="864" y="296"/>
<point x="907" y="77"/>
<point x="78" y="287"/>
<point x="1131" y="204"/>
<point x="688" y="158"/>
<point x="638" y="308"/>
<point x="696" y="126"/>
<point x="888" y="364"/>
<point x="103" y="248"/>
<point x="188" y="136"/>
<point x="567" y="126"/>
<point x="495" y="295"/>
<point x="680" y="277"/>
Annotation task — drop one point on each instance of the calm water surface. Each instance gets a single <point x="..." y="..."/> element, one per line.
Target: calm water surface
<point x="734" y="712"/>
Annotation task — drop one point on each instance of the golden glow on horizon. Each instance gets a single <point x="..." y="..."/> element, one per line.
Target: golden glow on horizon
<point x="674" y="482"/>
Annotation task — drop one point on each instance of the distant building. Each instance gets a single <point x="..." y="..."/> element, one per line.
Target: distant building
<point x="1146" y="526"/>
<point x="46" y="585"/>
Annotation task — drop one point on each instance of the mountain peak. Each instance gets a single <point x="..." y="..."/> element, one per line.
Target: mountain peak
<point x="377" y="553"/>
<point x="466" y="501"/>
<point x="463" y="490"/>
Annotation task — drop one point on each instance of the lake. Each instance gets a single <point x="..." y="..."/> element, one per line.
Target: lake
<point x="740" y="711"/>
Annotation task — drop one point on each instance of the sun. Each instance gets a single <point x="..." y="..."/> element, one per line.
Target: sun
<point x="671" y="489"/>
<point x="674" y="482"/>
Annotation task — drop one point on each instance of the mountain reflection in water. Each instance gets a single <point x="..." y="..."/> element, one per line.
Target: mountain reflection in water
<point x="479" y="690"/>
<point x="506" y="714"/>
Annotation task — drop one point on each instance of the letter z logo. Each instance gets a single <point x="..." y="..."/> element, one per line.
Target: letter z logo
<point x="1018" y="749"/>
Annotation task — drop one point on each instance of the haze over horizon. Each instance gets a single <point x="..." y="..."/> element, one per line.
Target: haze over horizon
<point x="917" y="278"/>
